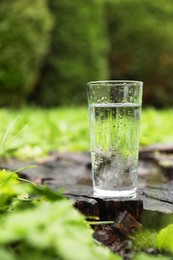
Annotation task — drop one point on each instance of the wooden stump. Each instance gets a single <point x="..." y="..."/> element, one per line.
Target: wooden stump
<point x="73" y="172"/>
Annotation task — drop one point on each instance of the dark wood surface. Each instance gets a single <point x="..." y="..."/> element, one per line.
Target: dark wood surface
<point x="73" y="172"/>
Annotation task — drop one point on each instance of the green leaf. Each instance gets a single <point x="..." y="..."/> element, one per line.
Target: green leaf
<point x="46" y="192"/>
<point x="52" y="226"/>
<point x="10" y="188"/>
<point x="48" y="225"/>
<point x="165" y="239"/>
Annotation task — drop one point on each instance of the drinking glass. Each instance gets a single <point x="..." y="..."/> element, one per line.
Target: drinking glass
<point x="114" y="116"/>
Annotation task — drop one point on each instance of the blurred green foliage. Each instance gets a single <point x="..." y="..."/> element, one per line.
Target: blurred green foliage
<point x="38" y="223"/>
<point x="24" y="39"/>
<point x="141" y="39"/>
<point x="34" y="132"/>
<point x="77" y="53"/>
<point x="165" y="239"/>
<point x="50" y="49"/>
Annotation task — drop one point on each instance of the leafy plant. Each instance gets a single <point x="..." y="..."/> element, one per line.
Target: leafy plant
<point x="150" y="239"/>
<point x="165" y="239"/>
<point x="38" y="223"/>
<point x="33" y="132"/>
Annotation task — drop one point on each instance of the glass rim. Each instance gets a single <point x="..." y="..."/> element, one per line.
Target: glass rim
<point x="113" y="81"/>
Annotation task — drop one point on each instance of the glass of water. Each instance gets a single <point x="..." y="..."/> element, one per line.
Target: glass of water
<point x="114" y="115"/>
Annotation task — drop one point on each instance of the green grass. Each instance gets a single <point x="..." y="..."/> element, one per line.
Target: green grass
<point x="156" y="126"/>
<point x="33" y="132"/>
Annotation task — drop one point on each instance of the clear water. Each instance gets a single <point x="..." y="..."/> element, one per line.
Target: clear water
<point x="114" y="131"/>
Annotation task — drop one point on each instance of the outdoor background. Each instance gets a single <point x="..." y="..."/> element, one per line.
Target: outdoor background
<point x="50" y="49"/>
